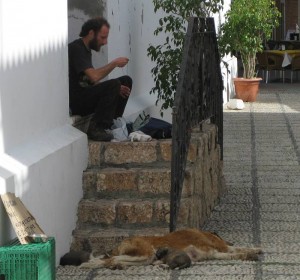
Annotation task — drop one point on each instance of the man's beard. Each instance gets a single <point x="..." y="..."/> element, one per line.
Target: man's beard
<point x="93" y="45"/>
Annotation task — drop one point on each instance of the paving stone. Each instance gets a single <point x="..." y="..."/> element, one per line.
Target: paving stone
<point x="72" y="272"/>
<point x="281" y="258"/>
<point x="280" y="236"/>
<point x="280" y="226"/>
<point x="239" y="207"/>
<point x="280" y="199"/>
<point x="218" y="216"/>
<point x="137" y="272"/>
<point x="288" y="191"/>
<point x="281" y="269"/>
<point x="276" y="207"/>
<point x="289" y="248"/>
<point x="219" y="269"/>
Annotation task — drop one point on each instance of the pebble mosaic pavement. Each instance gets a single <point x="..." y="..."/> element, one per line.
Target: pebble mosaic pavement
<point x="262" y="203"/>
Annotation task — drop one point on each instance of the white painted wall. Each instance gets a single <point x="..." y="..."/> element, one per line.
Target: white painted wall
<point x="231" y="71"/>
<point x="41" y="156"/>
<point x="132" y="25"/>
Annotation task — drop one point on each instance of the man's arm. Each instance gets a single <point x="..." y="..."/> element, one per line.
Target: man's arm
<point x="95" y="75"/>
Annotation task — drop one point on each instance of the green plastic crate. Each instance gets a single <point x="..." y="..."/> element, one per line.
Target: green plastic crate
<point x="35" y="261"/>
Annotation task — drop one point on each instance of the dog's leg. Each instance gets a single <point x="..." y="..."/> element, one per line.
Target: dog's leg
<point x="245" y="253"/>
<point x="248" y="256"/>
<point x="233" y="249"/>
<point x="235" y="253"/>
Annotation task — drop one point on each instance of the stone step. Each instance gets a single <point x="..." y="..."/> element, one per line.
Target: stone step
<point x="132" y="213"/>
<point x="100" y="241"/>
<point x="124" y="153"/>
<point x="116" y="153"/>
<point x="127" y="190"/>
<point x="116" y="182"/>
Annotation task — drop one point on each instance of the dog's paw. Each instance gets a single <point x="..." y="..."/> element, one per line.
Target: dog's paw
<point x="253" y="256"/>
<point x="259" y="251"/>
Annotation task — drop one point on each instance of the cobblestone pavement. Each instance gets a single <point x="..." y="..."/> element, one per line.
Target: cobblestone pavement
<point x="261" y="206"/>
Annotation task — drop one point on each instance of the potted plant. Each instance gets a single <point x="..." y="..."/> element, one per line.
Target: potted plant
<point x="247" y="24"/>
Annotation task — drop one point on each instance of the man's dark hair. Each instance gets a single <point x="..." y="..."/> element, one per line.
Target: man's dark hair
<point x="94" y="24"/>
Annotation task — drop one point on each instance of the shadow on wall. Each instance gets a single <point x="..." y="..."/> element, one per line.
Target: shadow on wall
<point x="91" y="8"/>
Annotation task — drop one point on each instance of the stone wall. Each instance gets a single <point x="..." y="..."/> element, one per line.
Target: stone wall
<point x="207" y="180"/>
<point x="126" y="189"/>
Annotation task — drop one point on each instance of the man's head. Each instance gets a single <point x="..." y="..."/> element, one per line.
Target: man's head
<point x="95" y="33"/>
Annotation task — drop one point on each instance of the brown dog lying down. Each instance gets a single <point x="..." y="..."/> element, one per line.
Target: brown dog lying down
<point x="196" y="244"/>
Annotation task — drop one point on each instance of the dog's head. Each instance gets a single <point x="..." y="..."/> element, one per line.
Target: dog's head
<point x="161" y="252"/>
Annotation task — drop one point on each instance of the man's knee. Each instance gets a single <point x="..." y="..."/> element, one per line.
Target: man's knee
<point x="126" y="81"/>
<point x="114" y="87"/>
<point x="115" y="83"/>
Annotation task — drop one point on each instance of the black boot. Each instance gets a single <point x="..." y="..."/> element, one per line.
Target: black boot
<point x="97" y="133"/>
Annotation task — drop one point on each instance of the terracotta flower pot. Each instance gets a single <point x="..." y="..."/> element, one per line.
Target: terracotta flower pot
<point x="246" y="89"/>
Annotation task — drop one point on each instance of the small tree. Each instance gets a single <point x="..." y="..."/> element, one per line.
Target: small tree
<point x="168" y="55"/>
<point x="247" y="24"/>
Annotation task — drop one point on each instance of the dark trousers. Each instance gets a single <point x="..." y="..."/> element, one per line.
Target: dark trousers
<point x="103" y="99"/>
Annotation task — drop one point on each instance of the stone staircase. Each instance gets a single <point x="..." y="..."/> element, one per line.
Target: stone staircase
<point x="126" y="190"/>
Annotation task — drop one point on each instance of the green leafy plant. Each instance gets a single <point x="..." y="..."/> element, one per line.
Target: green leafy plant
<point x="247" y="24"/>
<point x="167" y="56"/>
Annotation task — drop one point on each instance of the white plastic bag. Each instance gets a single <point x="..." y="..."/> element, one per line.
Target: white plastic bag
<point x="139" y="136"/>
<point x="236" y="104"/>
<point x="119" y="129"/>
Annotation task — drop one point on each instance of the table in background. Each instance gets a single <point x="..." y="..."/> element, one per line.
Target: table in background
<point x="287" y="55"/>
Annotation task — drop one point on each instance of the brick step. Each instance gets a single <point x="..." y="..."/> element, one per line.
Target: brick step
<point x="101" y="241"/>
<point x="120" y="182"/>
<point x="132" y="213"/>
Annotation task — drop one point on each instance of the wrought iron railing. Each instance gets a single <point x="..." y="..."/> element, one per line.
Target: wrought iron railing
<point x="198" y="99"/>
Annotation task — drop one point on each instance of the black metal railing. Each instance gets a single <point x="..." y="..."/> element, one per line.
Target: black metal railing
<point x="198" y="99"/>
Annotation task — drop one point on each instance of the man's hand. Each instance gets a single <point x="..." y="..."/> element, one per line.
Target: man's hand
<point x="121" y="61"/>
<point x="124" y="91"/>
<point x="95" y="75"/>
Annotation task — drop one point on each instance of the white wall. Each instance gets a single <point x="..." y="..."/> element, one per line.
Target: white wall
<point x="132" y="25"/>
<point x="231" y="71"/>
<point x="41" y="156"/>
